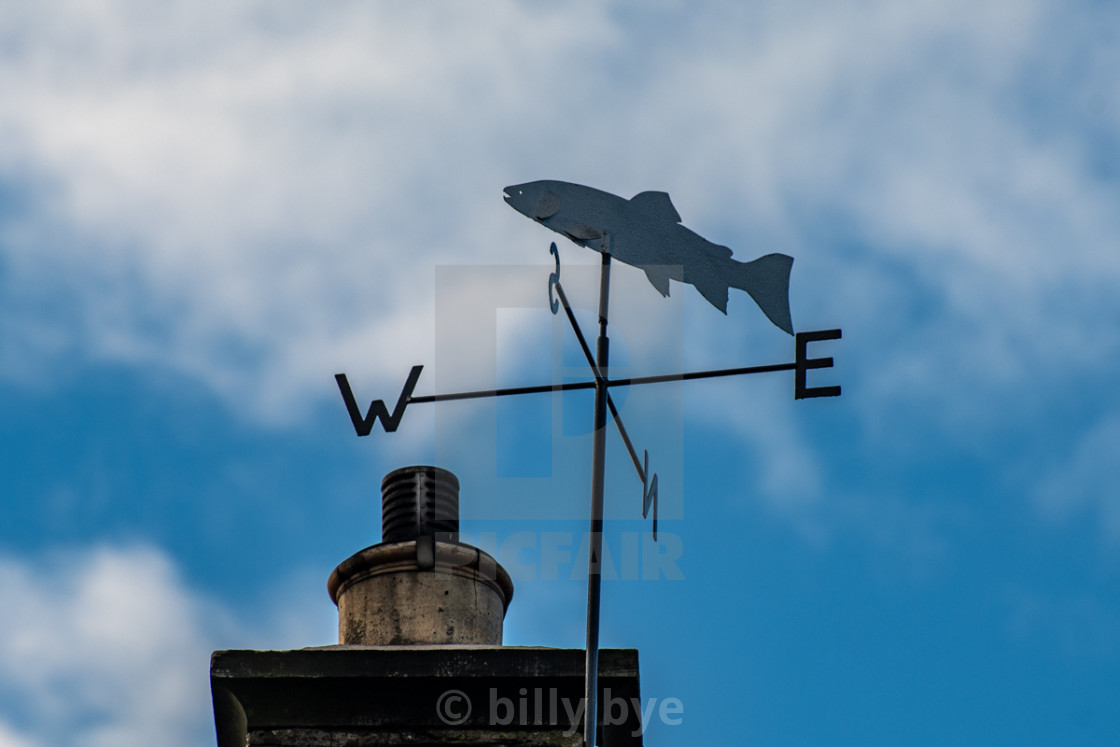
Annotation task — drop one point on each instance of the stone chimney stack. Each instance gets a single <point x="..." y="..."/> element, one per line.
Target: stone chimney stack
<point x="420" y="659"/>
<point x="420" y="585"/>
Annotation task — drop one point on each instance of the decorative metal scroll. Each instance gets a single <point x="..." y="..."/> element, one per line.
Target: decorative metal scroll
<point x="644" y="231"/>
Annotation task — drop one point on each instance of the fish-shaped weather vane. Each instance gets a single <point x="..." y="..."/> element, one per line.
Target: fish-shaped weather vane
<point x="646" y="232"/>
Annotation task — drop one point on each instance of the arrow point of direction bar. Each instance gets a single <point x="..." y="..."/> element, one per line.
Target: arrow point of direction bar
<point x="649" y="492"/>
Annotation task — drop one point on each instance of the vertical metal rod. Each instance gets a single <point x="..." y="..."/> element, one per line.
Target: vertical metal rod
<point x="595" y="370"/>
<point x="595" y="541"/>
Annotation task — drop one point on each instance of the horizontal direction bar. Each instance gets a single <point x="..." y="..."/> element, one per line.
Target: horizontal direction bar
<point x="569" y="386"/>
<point x="503" y="392"/>
<point x="689" y="376"/>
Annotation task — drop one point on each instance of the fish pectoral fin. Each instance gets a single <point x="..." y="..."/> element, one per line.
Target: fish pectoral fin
<point x="659" y="278"/>
<point x="655" y="205"/>
<point x="582" y="232"/>
<point x="547" y="206"/>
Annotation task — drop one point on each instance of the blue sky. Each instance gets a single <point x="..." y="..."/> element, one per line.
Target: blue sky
<point x="209" y="209"/>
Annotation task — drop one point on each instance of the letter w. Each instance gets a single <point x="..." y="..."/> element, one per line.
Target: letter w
<point x="377" y="408"/>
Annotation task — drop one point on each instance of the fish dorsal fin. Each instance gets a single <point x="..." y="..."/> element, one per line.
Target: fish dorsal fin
<point x="655" y="205"/>
<point x="721" y="251"/>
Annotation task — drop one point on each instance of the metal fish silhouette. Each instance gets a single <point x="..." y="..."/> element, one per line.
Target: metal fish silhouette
<point x="646" y="232"/>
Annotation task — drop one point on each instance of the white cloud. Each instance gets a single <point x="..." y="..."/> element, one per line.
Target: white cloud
<point x="255" y="195"/>
<point x="1086" y="481"/>
<point x="9" y="737"/>
<point x="108" y="646"/>
<point x="237" y="187"/>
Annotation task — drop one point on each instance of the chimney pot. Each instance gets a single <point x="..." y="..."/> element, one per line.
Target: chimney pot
<point x="420" y="585"/>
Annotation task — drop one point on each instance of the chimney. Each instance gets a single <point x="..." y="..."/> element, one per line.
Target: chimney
<point x="419" y="659"/>
<point x="420" y="585"/>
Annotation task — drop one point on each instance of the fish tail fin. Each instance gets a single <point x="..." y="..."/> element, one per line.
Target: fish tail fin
<point x="766" y="280"/>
